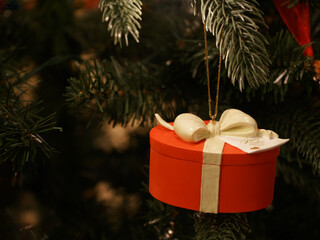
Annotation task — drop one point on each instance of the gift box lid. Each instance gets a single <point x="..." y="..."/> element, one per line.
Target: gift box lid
<point x="166" y="142"/>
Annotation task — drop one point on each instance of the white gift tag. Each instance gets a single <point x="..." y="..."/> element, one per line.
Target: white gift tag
<point x="253" y="145"/>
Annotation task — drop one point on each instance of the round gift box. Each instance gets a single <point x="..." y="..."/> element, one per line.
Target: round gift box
<point x="246" y="180"/>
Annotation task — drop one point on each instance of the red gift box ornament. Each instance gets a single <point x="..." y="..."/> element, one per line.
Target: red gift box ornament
<point x="221" y="166"/>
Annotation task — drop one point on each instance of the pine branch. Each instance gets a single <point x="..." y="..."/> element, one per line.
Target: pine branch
<point x="22" y="125"/>
<point x="288" y="62"/>
<point x="121" y="94"/>
<point x="20" y="134"/>
<point x="221" y="226"/>
<point x="242" y="46"/>
<point x="123" y="18"/>
<point x="289" y="65"/>
<point x="161" y="219"/>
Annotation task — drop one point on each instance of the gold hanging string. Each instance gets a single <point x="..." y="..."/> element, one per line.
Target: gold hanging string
<point x="208" y="75"/>
<point x="218" y="80"/>
<point x="207" y="68"/>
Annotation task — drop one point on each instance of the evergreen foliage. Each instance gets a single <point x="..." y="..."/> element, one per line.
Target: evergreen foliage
<point x="167" y="222"/>
<point x="289" y="66"/>
<point x="288" y="62"/>
<point x="239" y="20"/>
<point x="221" y="226"/>
<point x="22" y="123"/>
<point x="120" y="94"/>
<point x="20" y="135"/>
<point x="242" y="46"/>
<point x="122" y="17"/>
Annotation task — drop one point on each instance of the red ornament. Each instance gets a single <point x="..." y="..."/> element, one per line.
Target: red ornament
<point x="297" y="19"/>
<point x="246" y="181"/>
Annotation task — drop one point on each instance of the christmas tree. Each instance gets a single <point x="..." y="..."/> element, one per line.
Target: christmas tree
<point x="81" y="81"/>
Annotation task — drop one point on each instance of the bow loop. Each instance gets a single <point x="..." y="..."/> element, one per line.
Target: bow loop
<point x="190" y="127"/>
<point x="234" y="122"/>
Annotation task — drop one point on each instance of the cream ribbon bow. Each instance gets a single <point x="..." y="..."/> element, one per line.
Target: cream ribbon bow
<point x="233" y="122"/>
